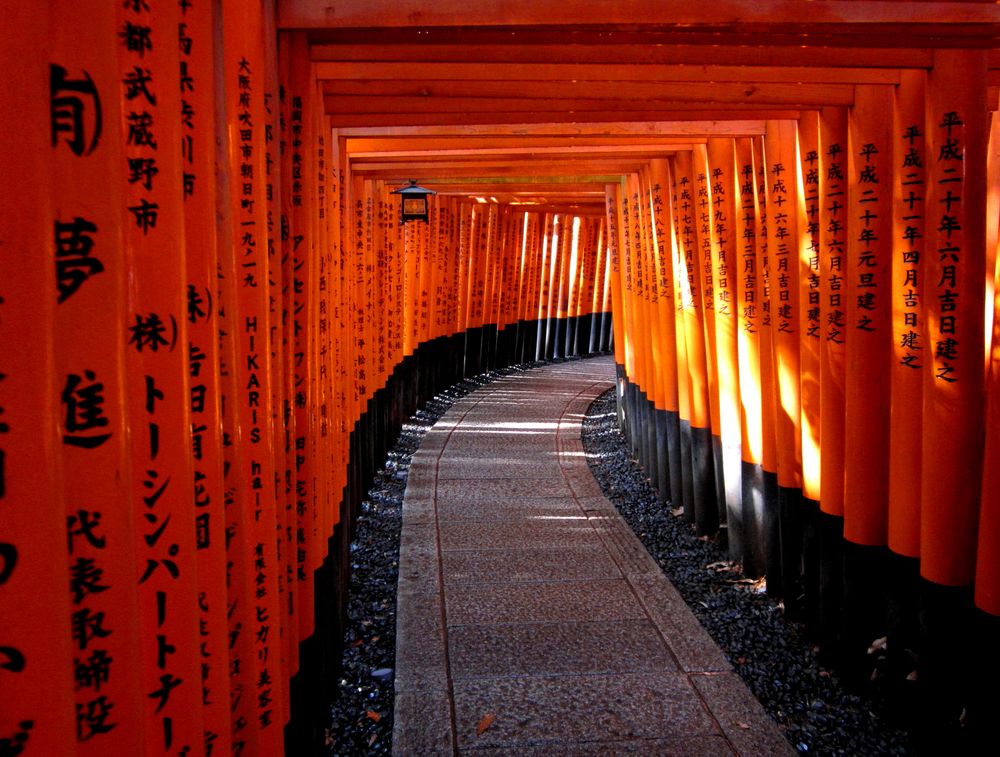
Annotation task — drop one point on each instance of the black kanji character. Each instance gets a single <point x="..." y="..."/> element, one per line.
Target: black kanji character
<point x="74" y="264"/>
<point x="70" y="99"/>
<point x="83" y="410"/>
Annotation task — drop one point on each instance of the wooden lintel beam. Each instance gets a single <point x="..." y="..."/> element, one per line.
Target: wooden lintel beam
<point x="689" y="55"/>
<point x="725" y="14"/>
<point x="481" y="155"/>
<point x="427" y="172"/>
<point x="386" y="146"/>
<point x="526" y="183"/>
<point x="801" y="37"/>
<point x="598" y="72"/>
<point x="363" y="96"/>
<point x="572" y="120"/>
<point x="742" y="127"/>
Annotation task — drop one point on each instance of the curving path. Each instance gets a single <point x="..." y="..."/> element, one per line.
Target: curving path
<point x="530" y="620"/>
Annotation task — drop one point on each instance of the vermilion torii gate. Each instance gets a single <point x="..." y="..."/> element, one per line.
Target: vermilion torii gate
<point x="213" y="324"/>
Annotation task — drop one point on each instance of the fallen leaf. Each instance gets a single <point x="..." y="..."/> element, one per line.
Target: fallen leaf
<point x="358" y="643"/>
<point x="744" y="726"/>
<point x="485" y="723"/>
<point x="877" y="646"/>
<point x="373" y="739"/>
<point x="677" y="511"/>
<point x="373" y="715"/>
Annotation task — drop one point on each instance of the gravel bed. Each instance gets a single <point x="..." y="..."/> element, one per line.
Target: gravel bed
<point x="772" y="655"/>
<point x="361" y="713"/>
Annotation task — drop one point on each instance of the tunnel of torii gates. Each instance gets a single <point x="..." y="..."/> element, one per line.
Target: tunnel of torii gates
<point x="213" y="323"/>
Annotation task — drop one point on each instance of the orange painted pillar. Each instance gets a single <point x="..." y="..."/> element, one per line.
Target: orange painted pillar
<point x="663" y="283"/>
<point x="615" y="289"/>
<point x="810" y="310"/>
<point x="954" y="398"/>
<point x="810" y="344"/>
<point x="37" y="644"/>
<point x="299" y="193"/>
<point x="987" y="595"/>
<point x="655" y="436"/>
<point x="685" y="499"/>
<point x="645" y="381"/>
<point x="783" y="240"/>
<point x="90" y="265"/>
<point x="868" y="276"/>
<point x="723" y="187"/>
<point x="910" y="349"/>
<point x="280" y="411"/>
<point x="783" y="258"/>
<point x="159" y="399"/>
<point x="253" y="513"/>
<point x="749" y="356"/>
<point x="705" y="242"/>
<point x="957" y="131"/>
<point x="703" y="499"/>
<point x="767" y="294"/>
<point x="868" y="279"/>
<point x="834" y="306"/>
<point x="198" y="155"/>
<point x="633" y="346"/>
<point x="987" y="578"/>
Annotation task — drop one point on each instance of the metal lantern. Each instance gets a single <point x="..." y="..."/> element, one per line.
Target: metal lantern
<point x="414" y="202"/>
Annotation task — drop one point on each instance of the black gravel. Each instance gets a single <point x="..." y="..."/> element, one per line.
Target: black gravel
<point x="771" y="654"/>
<point x="361" y="713"/>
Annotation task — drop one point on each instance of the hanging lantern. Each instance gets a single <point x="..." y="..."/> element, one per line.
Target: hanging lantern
<point x="414" y="202"/>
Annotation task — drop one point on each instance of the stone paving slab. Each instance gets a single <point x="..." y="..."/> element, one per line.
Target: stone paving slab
<point x="530" y="619"/>
<point x="534" y="564"/>
<point x="558" y="709"/>
<point x="620" y="646"/>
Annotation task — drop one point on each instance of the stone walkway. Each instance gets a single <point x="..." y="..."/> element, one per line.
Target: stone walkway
<point x="531" y="621"/>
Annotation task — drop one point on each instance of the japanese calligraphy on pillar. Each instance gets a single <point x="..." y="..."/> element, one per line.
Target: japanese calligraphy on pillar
<point x="948" y="180"/>
<point x="869" y="346"/>
<point x="957" y="130"/>
<point x="257" y="694"/>
<point x="749" y="312"/>
<point x="909" y="347"/>
<point x="835" y="241"/>
<point x="156" y="337"/>
<point x="198" y="155"/>
<point x="780" y="226"/>
<point x="811" y="165"/>
<point x="90" y="268"/>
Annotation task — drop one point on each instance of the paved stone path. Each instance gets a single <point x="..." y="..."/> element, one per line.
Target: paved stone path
<point x="531" y="621"/>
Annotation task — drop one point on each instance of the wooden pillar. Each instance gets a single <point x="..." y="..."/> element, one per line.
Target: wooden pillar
<point x="748" y="350"/>
<point x="957" y="129"/>
<point x="159" y="399"/>
<point x="37" y="648"/>
<point x="723" y="187"/>
<point x="198" y="58"/>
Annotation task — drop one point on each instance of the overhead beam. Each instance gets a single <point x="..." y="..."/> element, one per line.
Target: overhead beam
<point x="418" y="95"/>
<point x="361" y="122"/>
<point x="376" y="146"/>
<point x="367" y="71"/>
<point x="612" y="127"/>
<point x="573" y="152"/>
<point x="696" y="14"/>
<point x="690" y="55"/>
<point x="547" y="170"/>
